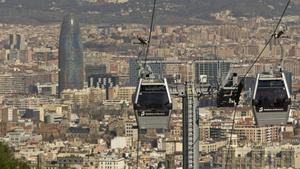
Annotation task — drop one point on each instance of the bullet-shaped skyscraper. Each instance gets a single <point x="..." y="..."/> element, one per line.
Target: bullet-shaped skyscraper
<point x="70" y="55"/>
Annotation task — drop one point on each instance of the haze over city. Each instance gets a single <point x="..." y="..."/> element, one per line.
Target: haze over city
<point x="147" y="84"/>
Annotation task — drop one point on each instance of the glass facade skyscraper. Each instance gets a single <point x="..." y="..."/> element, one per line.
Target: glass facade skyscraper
<point x="71" y="75"/>
<point x="215" y="70"/>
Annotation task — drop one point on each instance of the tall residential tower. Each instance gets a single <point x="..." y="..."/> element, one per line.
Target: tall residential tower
<point x="70" y="55"/>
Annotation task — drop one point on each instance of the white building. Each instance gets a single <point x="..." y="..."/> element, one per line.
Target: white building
<point x="31" y="153"/>
<point x="17" y="136"/>
<point x="130" y="130"/>
<point x="111" y="162"/>
<point x="121" y="142"/>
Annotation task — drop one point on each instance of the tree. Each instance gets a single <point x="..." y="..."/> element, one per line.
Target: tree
<point x="8" y="161"/>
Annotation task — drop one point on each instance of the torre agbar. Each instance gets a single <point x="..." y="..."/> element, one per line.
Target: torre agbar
<point x="71" y="73"/>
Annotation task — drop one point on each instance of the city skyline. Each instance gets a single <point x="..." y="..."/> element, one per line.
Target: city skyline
<point x="67" y="88"/>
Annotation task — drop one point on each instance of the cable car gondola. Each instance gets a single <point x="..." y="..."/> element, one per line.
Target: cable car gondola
<point x="152" y="104"/>
<point x="271" y="99"/>
<point x="225" y="97"/>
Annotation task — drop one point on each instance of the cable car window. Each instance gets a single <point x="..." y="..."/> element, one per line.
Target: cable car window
<point x="270" y="83"/>
<point x="271" y="96"/>
<point x="153" y="97"/>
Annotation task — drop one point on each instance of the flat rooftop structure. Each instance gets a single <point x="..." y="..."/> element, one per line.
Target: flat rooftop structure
<point x="189" y="61"/>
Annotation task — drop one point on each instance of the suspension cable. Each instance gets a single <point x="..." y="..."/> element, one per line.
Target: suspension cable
<point x="230" y="139"/>
<point x="150" y="33"/>
<point x="270" y="39"/>
<point x="145" y="61"/>
<point x="255" y="61"/>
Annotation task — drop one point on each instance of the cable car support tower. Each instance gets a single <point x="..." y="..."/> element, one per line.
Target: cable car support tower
<point x="149" y="85"/>
<point x="190" y="123"/>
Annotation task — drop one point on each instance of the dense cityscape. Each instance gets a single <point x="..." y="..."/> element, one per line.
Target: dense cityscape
<point x="66" y="92"/>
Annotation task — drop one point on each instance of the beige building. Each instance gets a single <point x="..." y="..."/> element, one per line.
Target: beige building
<point x="131" y="130"/>
<point x="8" y="114"/>
<point x="208" y="147"/>
<point x="258" y="134"/>
<point x="204" y="132"/>
<point x="125" y="93"/>
<point x="261" y="157"/>
<point x="111" y="163"/>
<point x="120" y="93"/>
<point x="84" y="96"/>
<point x="59" y="109"/>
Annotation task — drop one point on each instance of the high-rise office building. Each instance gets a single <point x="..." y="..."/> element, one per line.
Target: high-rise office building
<point x="12" y="83"/>
<point x="71" y="72"/>
<point x="16" y="41"/>
<point x="94" y="70"/>
<point x="215" y="70"/>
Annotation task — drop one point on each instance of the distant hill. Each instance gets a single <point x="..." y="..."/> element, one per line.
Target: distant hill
<point x="137" y="11"/>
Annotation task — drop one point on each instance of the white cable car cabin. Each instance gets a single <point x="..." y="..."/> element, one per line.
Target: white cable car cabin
<point x="152" y="104"/>
<point x="271" y="99"/>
